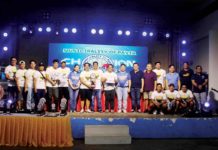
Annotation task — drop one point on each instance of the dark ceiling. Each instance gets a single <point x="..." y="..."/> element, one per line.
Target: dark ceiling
<point x="175" y="11"/>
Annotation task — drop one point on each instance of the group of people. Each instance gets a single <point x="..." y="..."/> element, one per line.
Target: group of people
<point x="161" y="92"/>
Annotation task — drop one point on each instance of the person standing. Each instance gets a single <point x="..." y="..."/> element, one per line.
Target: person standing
<point x="173" y="78"/>
<point x="29" y="85"/>
<point x="20" y="82"/>
<point x="110" y="80"/>
<point x="53" y="80"/>
<point x="86" y="88"/>
<point x="10" y="72"/>
<point x="136" y="86"/>
<point x="97" y="75"/>
<point x="161" y="74"/>
<point x="186" y="75"/>
<point x="39" y="83"/>
<point x="123" y="79"/>
<point x="150" y="80"/>
<point x="63" y="85"/>
<point x="199" y="82"/>
<point x="74" y="84"/>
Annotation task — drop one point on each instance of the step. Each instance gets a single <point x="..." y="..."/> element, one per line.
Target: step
<point x="108" y="130"/>
<point x="107" y="134"/>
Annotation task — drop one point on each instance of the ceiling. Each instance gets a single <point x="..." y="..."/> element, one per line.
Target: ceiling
<point x="175" y="11"/>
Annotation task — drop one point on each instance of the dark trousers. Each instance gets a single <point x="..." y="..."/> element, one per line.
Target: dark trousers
<point x="40" y="94"/>
<point x="52" y="92"/>
<point x="135" y="94"/>
<point x="109" y="96"/>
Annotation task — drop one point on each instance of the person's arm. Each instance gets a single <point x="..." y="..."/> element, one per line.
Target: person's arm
<point x="17" y="82"/>
<point x="142" y="85"/>
<point x="155" y="85"/>
<point x="179" y="84"/>
<point x="83" y="81"/>
<point x="194" y="83"/>
<point x="205" y="82"/>
<point x="166" y="84"/>
<point x="35" y="84"/>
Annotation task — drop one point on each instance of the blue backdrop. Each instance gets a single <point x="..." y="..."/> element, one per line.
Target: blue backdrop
<point x="104" y="54"/>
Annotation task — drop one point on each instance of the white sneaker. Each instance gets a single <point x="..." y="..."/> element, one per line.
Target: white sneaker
<point x="82" y="110"/>
<point x="88" y="111"/>
<point x="155" y="112"/>
<point x="139" y="110"/>
<point x="161" y="113"/>
<point x="119" y="111"/>
<point x="124" y="111"/>
<point x="112" y="110"/>
<point x="106" y="110"/>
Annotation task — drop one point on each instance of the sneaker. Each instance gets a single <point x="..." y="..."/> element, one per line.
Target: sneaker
<point x="155" y="112"/>
<point x="132" y="110"/>
<point x="161" y="113"/>
<point x="119" y="111"/>
<point x="139" y="110"/>
<point x="124" y="111"/>
<point x="112" y="110"/>
<point x="82" y="110"/>
<point x="88" y="111"/>
<point x="106" y="110"/>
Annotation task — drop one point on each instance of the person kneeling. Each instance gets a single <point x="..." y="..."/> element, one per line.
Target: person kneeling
<point x="172" y="99"/>
<point x="158" y="101"/>
<point x="186" y="99"/>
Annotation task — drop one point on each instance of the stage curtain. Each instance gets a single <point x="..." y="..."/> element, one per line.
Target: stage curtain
<point x="35" y="131"/>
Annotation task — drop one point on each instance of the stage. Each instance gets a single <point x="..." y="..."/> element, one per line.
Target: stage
<point x="32" y="130"/>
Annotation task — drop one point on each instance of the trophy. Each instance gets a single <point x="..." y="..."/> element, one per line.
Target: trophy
<point x="93" y="80"/>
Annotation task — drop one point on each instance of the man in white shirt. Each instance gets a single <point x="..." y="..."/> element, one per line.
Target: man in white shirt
<point x="39" y="84"/>
<point x="10" y="72"/>
<point x="161" y="74"/>
<point x="110" y="80"/>
<point x="96" y="77"/>
<point x="53" y="81"/>
<point x="159" y="101"/>
<point x="86" y="88"/>
<point x="20" y="81"/>
<point x="186" y="99"/>
<point x="29" y="85"/>
<point x="172" y="99"/>
<point x="63" y="86"/>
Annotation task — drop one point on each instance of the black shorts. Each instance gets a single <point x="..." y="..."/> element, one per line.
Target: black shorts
<point x="86" y="94"/>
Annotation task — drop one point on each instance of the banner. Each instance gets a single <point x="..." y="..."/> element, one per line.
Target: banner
<point x="103" y="54"/>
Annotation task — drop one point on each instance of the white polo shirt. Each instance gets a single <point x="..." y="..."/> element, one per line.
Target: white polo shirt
<point x="11" y="71"/>
<point x="20" y="75"/>
<point x="64" y="73"/>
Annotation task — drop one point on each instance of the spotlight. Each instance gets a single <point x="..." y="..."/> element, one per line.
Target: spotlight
<point x="24" y="28"/>
<point x="40" y="29"/>
<point x="48" y="29"/>
<point x="57" y="33"/>
<point x="183" y="42"/>
<point x="66" y="30"/>
<point x="5" y="48"/>
<point x="183" y="54"/>
<point x="5" y="34"/>
<point x="151" y="34"/>
<point x="144" y="33"/>
<point x="63" y="106"/>
<point x="101" y="31"/>
<point x="8" y="106"/>
<point x="74" y="30"/>
<point x="167" y="35"/>
<point x="119" y="32"/>
<point x="207" y="104"/>
<point x="93" y="31"/>
<point x="127" y="33"/>
<point x="30" y="31"/>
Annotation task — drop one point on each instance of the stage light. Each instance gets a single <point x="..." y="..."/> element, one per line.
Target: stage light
<point x="151" y="34"/>
<point x="206" y="104"/>
<point x="183" y="42"/>
<point x="30" y="31"/>
<point x="66" y="30"/>
<point x="8" y="106"/>
<point x="93" y="31"/>
<point x="57" y="33"/>
<point x="74" y="30"/>
<point x="183" y="54"/>
<point x="144" y="33"/>
<point x="101" y="31"/>
<point x="48" y="29"/>
<point x="167" y="35"/>
<point x="63" y="106"/>
<point x="119" y="32"/>
<point x="40" y="29"/>
<point x="24" y="28"/>
<point x="127" y="33"/>
<point x="5" y="48"/>
<point x="5" y="34"/>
